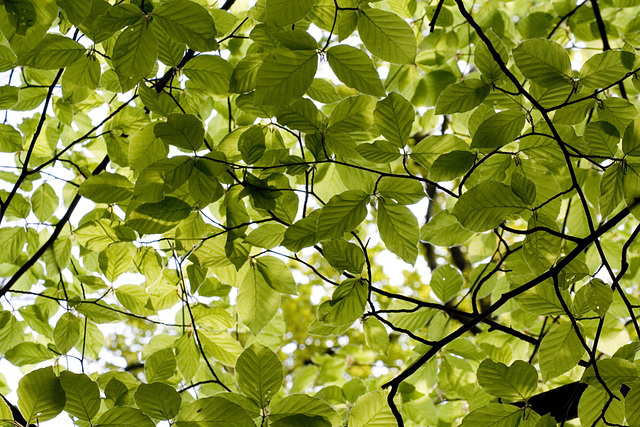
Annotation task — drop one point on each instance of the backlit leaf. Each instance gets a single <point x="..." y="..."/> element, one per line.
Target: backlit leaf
<point x="284" y="76"/>
<point x="387" y="36"/>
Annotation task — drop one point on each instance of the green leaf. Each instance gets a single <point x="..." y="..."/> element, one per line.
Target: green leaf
<point x="159" y="103"/>
<point x="304" y="405"/>
<point x="76" y="10"/>
<point x="541" y="250"/>
<point x="343" y="255"/>
<point x="134" y="298"/>
<point x="67" y="332"/>
<point x="461" y="97"/>
<point x="160" y="366"/>
<point x="631" y="139"/>
<point x="486" y="205"/>
<point x="446" y="282"/>
<point x="284" y="76"/>
<point x="259" y="373"/>
<point x="221" y="346"/>
<point x="113" y="19"/>
<point x="613" y="371"/>
<point x="544" y="62"/>
<point x="276" y="274"/>
<point x="301" y="115"/>
<point x="7" y="59"/>
<point x="376" y="336"/>
<point x="399" y="229"/>
<point x="483" y="58"/>
<point x="601" y="138"/>
<point x="187" y="356"/>
<point x="44" y="202"/>
<point x="244" y="74"/>
<point x="252" y="144"/>
<point x="632" y="405"/>
<point x="560" y="351"/>
<point x="158" y="400"/>
<point x="154" y="218"/>
<point x="213" y="412"/>
<point x="301" y="420"/>
<point x="394" y="117"/>
<point x="82" y="395"/>
<point x="28" y="353"/>
<point x="380" y="151"/>
<point x="495" y="415"/>
<point x="302" y="233"/>
<point x="387" y="36"/>
<point x="603" y="69"/>
<point x="516" y="382"/>
<point x="8" y="96"/>
<point x="599" y="296"/>
<point x="257" y="301"/>
<point x="21" y="14"/>
<point x="283" y="12"/>
<point x="53" y="52"/>
<point x="371" y="409"/>
<point x="10" y="139"/>
<point x="134" y="54"/>
<point x="611" y="189"/>
<point x="106" y="188"/>
<point x="124" y="416"/>
<point x="524" y="188"/>
<point x="184" y="131"/>
<point x="499" y="129"/>
<point x="210" y="73"/>
<point x="346" y="305"/>
<point x="40" y="395"/>
<point x="6" y="417"/>
<point x="145" y="148"/>
<point x="451" y="165"/>
<point x="354" y="68"/>
<point x="342" y="213"/>
<point x="94" y="235"/>
<point x="594" y="403"/>
<point x="444" y="230"/>
<point x="187" y="22"/>
<point x="267" y="236"/>
<point x="352" y="114"/>
<point x="323" y="91"/>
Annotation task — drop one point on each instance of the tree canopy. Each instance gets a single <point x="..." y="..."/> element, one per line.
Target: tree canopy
<point x="320" y="212"/>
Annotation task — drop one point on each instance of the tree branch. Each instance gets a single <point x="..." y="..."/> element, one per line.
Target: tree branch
<point x="56" y="233"/>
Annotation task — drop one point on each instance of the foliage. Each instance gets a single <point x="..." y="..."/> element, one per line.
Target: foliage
<point x="200" y="203"/>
